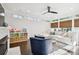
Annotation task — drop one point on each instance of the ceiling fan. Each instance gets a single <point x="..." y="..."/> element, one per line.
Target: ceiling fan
<point x="49" y="11"/>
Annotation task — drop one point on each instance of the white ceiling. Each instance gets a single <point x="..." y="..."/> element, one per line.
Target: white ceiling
<point x="36" y="9"/>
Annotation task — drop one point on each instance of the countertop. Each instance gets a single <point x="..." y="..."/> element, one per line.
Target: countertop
<point x="3" y="32"/>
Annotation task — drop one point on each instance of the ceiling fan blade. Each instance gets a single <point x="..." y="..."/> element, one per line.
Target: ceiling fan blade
<point x="44" y="13"/>
<point x="53" y="12"/>
<point x="49" y="11"/>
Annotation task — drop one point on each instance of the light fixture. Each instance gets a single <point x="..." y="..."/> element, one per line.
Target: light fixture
<point x="17" y="16"/>
<point x="71" y="8"/>
<point x="20" y="17"/>
<point x="2" y="14"/>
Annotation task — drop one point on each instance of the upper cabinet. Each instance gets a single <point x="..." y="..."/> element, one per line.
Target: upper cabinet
<point x="63" y="24"/>
<point x="1" y="16"/>
<point x="76" y="23"/>
<point x="54" y="25"/>
<point x="66" y="24"/>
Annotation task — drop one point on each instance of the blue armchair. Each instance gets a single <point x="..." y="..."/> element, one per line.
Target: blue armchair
<point x="40" y="46"/>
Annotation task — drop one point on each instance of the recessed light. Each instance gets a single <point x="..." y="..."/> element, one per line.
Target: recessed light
<point x="17" y="16"/>
<point x="71" y="8"/>
<point x="20" y="17"/>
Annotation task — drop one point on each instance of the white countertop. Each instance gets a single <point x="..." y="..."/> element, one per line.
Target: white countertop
<point x="3" y="32"/>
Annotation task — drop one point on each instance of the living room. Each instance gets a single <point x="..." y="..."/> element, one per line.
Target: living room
<point x="40" y="28"/>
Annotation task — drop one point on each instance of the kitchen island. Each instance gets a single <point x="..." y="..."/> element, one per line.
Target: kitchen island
<point x="3" y="40"/>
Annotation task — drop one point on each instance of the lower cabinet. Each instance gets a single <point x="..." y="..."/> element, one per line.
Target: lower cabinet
<point x="3" y="46"/>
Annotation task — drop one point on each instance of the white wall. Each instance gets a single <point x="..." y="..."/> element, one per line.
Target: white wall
<point x="33" y="27"/>
<point x="38" y="28"/>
